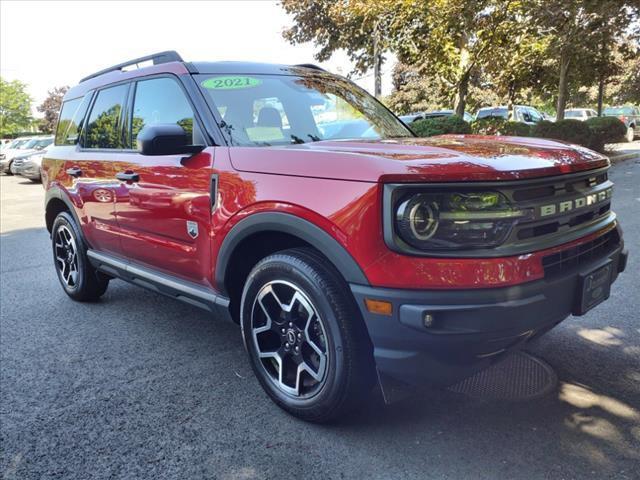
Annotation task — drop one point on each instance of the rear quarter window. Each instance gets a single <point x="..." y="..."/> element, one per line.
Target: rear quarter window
<point x="70" y="122"/>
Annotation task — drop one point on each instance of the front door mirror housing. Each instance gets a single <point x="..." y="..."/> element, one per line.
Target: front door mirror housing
<point x="166" y="139"/>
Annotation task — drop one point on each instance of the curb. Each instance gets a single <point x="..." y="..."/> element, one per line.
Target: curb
<point x="624" y="156"/>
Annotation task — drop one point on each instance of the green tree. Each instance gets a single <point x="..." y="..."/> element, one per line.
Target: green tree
<point x="446" y="39"/>
<point x="51" y="108"/>
<point x="15" y="108"/>
<point x="580" y="35"/>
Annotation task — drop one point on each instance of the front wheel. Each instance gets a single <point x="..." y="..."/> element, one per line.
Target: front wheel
<point x="305" y="337"/>
<point x="77" y="276"/>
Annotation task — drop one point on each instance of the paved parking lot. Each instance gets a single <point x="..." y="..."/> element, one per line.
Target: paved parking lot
<point x="140" y="386"/>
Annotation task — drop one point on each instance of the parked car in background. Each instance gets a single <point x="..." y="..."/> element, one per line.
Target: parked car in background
<point x="28" y="145"/>
<point x="520" y="113"/>
<point x="28" y="165"/>
<point x="581" y="114"/>
<point x="413" y="117"/>
<point x="629" y="115"/>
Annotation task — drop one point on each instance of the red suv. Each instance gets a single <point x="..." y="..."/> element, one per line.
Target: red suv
<point x="351" y="253"/>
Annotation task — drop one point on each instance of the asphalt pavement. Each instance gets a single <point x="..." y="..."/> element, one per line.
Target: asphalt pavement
<point x="141" y="386"/>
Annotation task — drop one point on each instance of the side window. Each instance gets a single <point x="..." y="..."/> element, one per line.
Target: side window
<point x="160" y="100"/>
<point x="103" y="126"/>
<point x="70" y="121"/>
<point x="535" y="115"/>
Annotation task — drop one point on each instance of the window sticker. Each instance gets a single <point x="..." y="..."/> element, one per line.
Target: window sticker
<point x="265" y="134"/>
<point x="230" y="83"/>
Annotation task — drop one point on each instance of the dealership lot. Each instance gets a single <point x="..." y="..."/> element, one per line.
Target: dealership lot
<point x="138" y="385"/>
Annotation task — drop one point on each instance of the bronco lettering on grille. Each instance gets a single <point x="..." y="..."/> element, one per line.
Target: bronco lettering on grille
<point x="575" y="203"/>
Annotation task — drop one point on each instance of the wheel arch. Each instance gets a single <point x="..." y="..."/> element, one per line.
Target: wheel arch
<point x="271" y="232"/>
<point x="55" y="202"/>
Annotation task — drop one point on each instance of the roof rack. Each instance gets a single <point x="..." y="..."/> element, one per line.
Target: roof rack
<point x="156" y="58"/>
<point x="310" y="65"/>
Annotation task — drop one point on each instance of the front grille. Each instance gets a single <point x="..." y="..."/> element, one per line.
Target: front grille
<point x="575" y="257"/>
<point x="557" y="209"/>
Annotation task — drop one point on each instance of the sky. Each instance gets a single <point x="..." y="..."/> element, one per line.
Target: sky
<point x="49" y="44"/>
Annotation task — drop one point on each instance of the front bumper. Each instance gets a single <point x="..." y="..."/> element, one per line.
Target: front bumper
<point x="470" y="329"/>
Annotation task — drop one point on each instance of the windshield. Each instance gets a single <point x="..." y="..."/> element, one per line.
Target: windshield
<point x="19" y="143"/>
<point x="617" y="111"/>
<point x="36" y="143"/>
<point x="574" y="114"/>
<point x="493" y="112"/>
<point x="263" y="110"/>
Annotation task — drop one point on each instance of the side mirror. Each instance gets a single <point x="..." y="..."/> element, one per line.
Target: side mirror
<point x="165" y="139"/>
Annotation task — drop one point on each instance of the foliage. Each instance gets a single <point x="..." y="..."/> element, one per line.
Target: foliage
<point x="488" y="126"/>
<point x="429" y="127"/>
<point x="624" y="88"/>
<point x="605" y="130"/>
<point x="51" y="107"/>
<point x="580" y="36"/>
<point x="347" y="25"/>
<point x="571" y="131"/>
<point x="15" y="108"/>
<point x="500" y="126"/>
<point x="516" y="129"/>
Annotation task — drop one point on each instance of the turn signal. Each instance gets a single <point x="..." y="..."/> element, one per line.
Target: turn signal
<point x="379" y="306"/>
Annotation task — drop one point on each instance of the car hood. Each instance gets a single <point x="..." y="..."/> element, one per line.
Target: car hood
<point x="442" y="158"/>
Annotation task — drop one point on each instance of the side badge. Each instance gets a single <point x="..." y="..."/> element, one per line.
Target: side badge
<point x="192" y="228"/>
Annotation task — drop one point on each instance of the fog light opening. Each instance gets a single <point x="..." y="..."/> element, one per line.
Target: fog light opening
<point x="428" y="319"/>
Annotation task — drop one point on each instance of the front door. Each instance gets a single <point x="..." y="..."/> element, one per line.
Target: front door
<point x="163" y="203"/>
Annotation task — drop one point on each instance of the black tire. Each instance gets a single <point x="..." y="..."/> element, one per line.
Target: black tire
<point x="630" y="134"/>
<point x="77" y="276"/>
<point x="348" y="372"/>
<point x="8" y="170"/>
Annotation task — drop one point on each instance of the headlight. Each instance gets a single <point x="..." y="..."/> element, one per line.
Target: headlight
<point x="455" y="220"/>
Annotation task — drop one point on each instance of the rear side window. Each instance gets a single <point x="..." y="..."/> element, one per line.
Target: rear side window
<point x="160" y="100"/>
<point x="70" y="121"/>
<point x="103" y="126"/>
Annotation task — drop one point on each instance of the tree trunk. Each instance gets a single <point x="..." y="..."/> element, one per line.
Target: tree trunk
<point x="377" y="61"/>
<point x="461" y="94"/>
<point x="600" y="95"/>
<point x="565" y="59"/>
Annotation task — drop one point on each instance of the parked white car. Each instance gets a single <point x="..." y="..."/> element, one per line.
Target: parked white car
<point x="22" y="146"/>
<point x="581" y="114"/>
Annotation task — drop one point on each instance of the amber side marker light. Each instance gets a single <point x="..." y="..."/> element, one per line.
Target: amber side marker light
<point x="378" y="306"/>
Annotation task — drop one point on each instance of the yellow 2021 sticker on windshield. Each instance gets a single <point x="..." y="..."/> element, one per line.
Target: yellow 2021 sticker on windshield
<point x="229" y="83"/>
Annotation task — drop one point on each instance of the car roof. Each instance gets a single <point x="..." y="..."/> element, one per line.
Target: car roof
<point x="170" y="62"/>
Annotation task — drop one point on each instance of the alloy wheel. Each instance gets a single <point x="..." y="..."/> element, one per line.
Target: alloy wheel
<point x="290" y="339"/>
<point x="66" y="254"/>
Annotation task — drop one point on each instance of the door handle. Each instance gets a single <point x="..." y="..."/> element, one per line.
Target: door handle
<point x="128" y="176"/>
<point x="74" y="172"/>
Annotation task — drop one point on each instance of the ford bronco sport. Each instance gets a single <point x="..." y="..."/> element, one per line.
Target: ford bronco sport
<point x="351" y="253"/>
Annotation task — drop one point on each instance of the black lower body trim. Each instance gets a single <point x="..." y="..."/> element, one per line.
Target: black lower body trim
<point x="442" y="336"/>
<point x="168" y="285"/>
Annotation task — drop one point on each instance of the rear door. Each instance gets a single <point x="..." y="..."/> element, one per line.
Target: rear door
<point x="164" y="213"/>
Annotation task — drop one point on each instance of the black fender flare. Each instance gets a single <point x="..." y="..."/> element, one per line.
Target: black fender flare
<point x="292" y="225"/>
<point x="57" y="193"/>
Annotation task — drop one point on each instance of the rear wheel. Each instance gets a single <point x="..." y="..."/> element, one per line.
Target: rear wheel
<point x="630" y="134"/>
<point x="77" y="276"/>
<point x="305" y="337"/>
